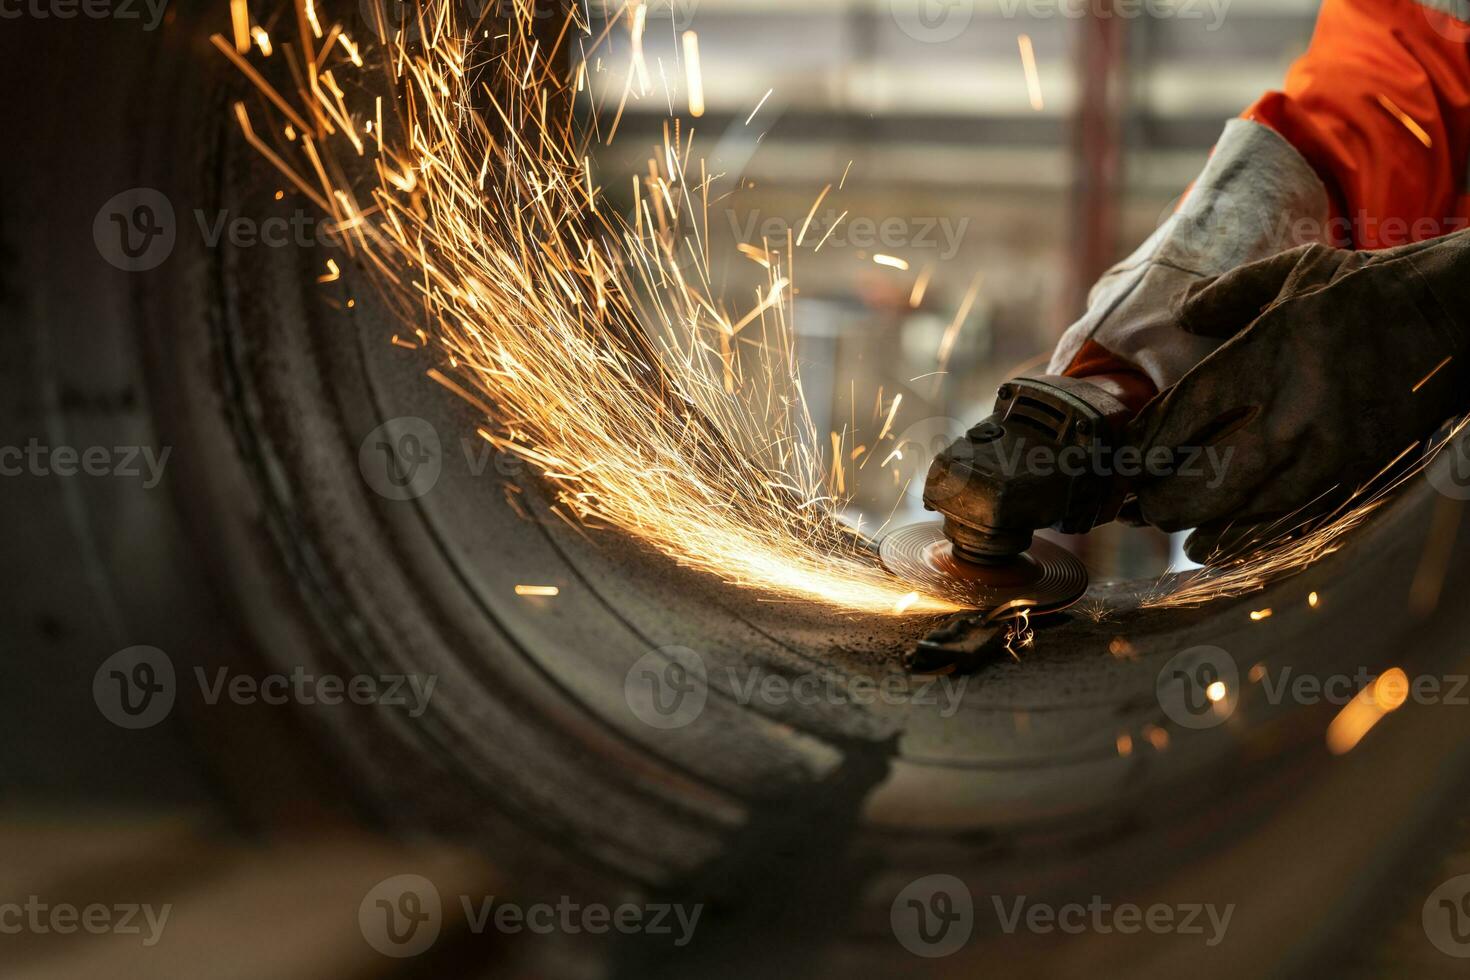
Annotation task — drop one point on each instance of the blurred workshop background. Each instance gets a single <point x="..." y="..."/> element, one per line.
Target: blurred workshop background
<point x="990" y="194"/>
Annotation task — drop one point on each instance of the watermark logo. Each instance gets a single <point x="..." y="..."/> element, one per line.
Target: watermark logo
<point x="1213" y="12"/>
<point x="571" y="917"/>
<point x="402" y="19"/>
<point x="994" y="448"/>
<point x="681" y="11"/>
<point x="1207" y="920"/>
<point x="1449" y="18"/>
<point x="42" y="918"/>
<point x="1389" y="690"/>
<point x="933" y="21"/>
<point x="126" y="462"/>
<point x="153" y="10"/>
<point x="401" y="916"/>
<point x="933" y="916"/>
<point x="756" y="685"/>
<point x="1185" y="233"/>
<point x="667" y="688"/>
<point x="135" y="688"/>
<point x="1449" y="473"/>
<point x="135" y="231"/>
<point x="1446" y="917"/>
<point x="831" y="230"/>
<point x="401" y="459"/>
<point x="404" y="458"/>
<point x="300" y="230"/>
<point x="1199" y="687"/>
<point x="411" y="692"/>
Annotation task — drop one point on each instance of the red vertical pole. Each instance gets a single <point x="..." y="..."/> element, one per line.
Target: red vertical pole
<point x="1097" y="166"/>
<point x="1097" y="146"/>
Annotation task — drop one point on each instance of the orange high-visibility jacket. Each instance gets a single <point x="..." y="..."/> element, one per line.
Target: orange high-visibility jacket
<point x="1377" y="118"/>
<point x="1380" y="107"/>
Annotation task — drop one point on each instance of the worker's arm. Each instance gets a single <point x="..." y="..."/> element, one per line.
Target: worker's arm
<point x="1256" y="197"/>
<point x="1332" y="363"/>
<point x="1326" y="160"/>
<point x="1380" y="107"/>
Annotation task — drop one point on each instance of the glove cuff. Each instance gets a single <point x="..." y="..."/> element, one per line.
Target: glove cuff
<point x="1256" y="197"/>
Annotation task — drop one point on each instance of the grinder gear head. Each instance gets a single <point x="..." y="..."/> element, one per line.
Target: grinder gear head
<point x="1032" y="464"/>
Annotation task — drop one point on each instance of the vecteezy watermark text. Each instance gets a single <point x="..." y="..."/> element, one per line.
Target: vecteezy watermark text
<point x="402" y="916"/>
<point x="1128" y="462"/>
<point x="408" y="691"/>
<point x="1213" y="12"/>
<point x="760" y="686"/>
<point x="1202" y="686"/>
<point x="128" y="462"/>
<point x="1393" y="687"/>
<point x="137" y="230"/>
<point x="935" y="915"/>
<point x="571" y="917"/>
<point x="137" y="687"/>
<point x="1187" y="222"/>
<point x="403" y="17"/>
<point x="298" y="230"/>
<point x="403" y="458"/>
<point x="97" y="918"/>
<point x="87" y="9"/>
<point x="940" y="21"/>
<point x="668" y="688"/>
<point x="1204" y="919"/>
<point x="831" y="230"/>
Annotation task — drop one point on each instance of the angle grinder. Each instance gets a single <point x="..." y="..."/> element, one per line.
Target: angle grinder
<point x="1032" y="464"/>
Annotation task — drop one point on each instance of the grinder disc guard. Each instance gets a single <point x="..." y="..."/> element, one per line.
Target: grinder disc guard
<point x="1047" y="576"/>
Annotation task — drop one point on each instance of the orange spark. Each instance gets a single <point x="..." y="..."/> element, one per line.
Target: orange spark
<point x="240" y="23"/>
<point x="1356" y="719"/>
<point x="1437" y="368"/>
<point x="598" y="350"/>
<point x="538" y="590"/>
<point x="1033" y="76"/>
<point x="1409" y="122"/>
<point x="693" y="73"/>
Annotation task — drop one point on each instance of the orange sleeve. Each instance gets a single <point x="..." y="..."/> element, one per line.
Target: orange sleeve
<point x="1380" y="107"/>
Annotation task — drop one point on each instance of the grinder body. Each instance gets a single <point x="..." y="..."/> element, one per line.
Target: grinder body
<point x="1043" y="459"/>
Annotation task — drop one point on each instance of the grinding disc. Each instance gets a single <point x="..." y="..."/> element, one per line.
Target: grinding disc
<point x="1047" y="576"/>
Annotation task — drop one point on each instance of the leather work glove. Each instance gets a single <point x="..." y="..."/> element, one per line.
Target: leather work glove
<point x="1333" y="362"/>
<point x="1256" y="197"/>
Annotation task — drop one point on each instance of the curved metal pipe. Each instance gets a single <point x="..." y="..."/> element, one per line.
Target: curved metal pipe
<point x="801" y="819"/>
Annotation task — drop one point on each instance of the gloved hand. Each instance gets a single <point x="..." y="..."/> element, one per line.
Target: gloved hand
<point x="1319" y="384"/>
<point x="1256" y="197"/>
